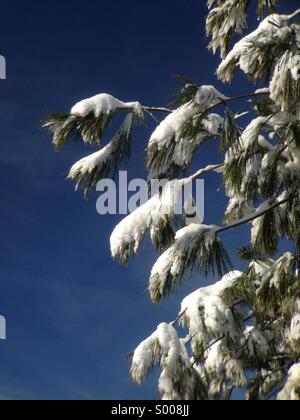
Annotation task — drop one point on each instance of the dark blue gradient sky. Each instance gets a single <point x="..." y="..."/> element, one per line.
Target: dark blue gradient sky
<point x="73" y="314"/>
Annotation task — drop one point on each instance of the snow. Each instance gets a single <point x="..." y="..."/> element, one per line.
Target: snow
<point x="266" y="33"/>
<point x="278" y="82"/>
<point x="261" y="268"/>
<point x="143" y="359"/>
<point x="294" y="67"/>
<point x="256" y="224"/>
<point x="89" y="163"/>
<point x="209" y="96"/>
<point x="293" y="164"/>
<point x="234" y="21"/>
<point x="168" y="128"/>
<point x="170" y="345"/>
<point x="218" y="317"/>
<point x="214" y="317"/>
<point x="184" y="149"/>
<point x="295" y="327"/>
<point x="102" y="104"/>
<point x="265" y="90"/>
<point x="165" y="347"/>
<point x="291" y="391"/>
<point x="173" y="261"/>
<point x="213" y="124"/>
<point x="131" y="230"/>
<point x="282" y="264"/>
<point x="238" y="207"/>
<point x="223" y="368"/>
<point x="252" y="131"/>
<point x="257" y="343"/>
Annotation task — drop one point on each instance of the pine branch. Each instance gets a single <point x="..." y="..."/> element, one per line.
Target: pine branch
<point x="91" y="169"/>
<point x="196" y="248"/>
<point x="190" y="129"/>
<point x="208" y="169"/>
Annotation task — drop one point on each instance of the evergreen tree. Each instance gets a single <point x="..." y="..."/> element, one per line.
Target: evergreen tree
<point x="244" y="330"/>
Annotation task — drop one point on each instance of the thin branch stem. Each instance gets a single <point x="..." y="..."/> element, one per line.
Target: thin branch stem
<point x="297" y="12"/>
<point x="180" y="316"/>
<point x="254" y="216"/>
<point x="223" y="102"/>
<point x="209" y="168"/>
<point x="154" y="109"/>
<point x="236" y="99"/>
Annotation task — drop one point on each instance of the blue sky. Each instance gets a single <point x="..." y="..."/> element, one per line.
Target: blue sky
<point x="72" y="313"/>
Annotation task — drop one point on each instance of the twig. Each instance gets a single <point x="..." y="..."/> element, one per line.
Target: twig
<point x="255" y="215"/>
<point x="180" y="316"/>
<point x="209" y="168"/>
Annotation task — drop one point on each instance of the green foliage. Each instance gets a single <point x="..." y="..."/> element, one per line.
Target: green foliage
<point x="264" y="106"/>
<point x="265" y="7"/>
<point x="220" y="21"/>
<point x="286" y="90"/>
<point x="66" y="126"/>
<point x="120" y="151"/>
<point x="184" y="93"/>
<point x="231" y="133"/>
<point x="267" y="238"/>
<point x="275" y="288"/>
<point x="247" y="253"/>
<point x="196" y="255"/>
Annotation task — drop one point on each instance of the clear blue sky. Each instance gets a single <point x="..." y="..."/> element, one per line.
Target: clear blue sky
<point x="73" y="314"/>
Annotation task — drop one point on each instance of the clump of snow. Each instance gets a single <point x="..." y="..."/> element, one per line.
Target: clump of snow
<point x="220" y="23"/>
<point x="102" y="104"/>
<point x="256" y="224"/>
<point x="295" y="327"/>
<point x="164" y="347"/>
<point x="168" y="128"/>
<point x="169" y="132"/>
<point x="283" y="264"/>
<point x="291" y="391"/>
<point x="293" y="165"/>
<point x="273" y="28"/>
<point x="251" y="133"/>
<point x="223" y="368"/>
<point x="263" y="91"/>
<point x="238" y="207"/>
<point x="129" y="233"/>
<point x="173" y="263"/>
<point x="257" y="343"/>
<point x="89" y="163"/>
<point x="218" y="317"/>
<point x="206" y="314"/>
<point x="261" y="268"/>
<point x="184" y="150"/>
<point x="170" y="344"/>
<point x="209" y="96"/>
<point x="278" y="82"/>
<point x="144" y="358"/>
<point x="213" y="124"/>
<point x="294" y="67"/>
